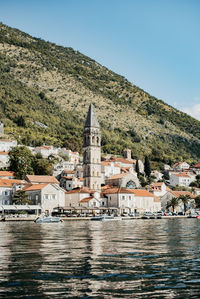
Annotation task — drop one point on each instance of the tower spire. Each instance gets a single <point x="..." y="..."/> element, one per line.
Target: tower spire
<point x="91" y="120"/>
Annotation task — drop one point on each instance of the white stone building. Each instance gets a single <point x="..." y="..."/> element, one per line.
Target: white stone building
<point x="181" y="179"/>
<point x="4" y="159"/>
<point x="48" y="196"/>
<point x="180" y="166"/>
<point x="6" y="145"/>
<point x="46" y="150"/>
<point x="133" y="200"/>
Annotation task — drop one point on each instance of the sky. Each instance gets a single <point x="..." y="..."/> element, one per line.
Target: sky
<point x="155" y="44"/>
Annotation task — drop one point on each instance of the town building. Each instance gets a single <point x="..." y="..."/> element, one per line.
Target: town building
<point x="92" y="151"/>
<point x="124" y="180"/>
<point x="130" y="200"/>
<point x="180" y="166"/>
<point x="41" y="179"/>
<point x="167" y="197"/>
<point x="182" y="179"/>
<point x="6" y="145"/>
<point x="48" y="196"/>
<point x="46" y="150"/>
<point x="4" y="159"/>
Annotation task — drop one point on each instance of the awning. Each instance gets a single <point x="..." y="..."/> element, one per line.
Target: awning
<point x="19" y="207"/>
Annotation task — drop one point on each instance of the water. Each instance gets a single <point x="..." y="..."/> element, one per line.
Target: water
<point x="122" y="259"/>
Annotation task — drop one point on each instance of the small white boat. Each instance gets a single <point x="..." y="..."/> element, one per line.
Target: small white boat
<point x="105" y="218"/>
<point x="47" y="219"/>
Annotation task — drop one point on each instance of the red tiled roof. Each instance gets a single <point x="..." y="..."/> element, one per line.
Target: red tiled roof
<point x="3" y="153"/>
<point x="196" y="165"/>
<point x="117" y="190"/>
<point x="34" y="187"/>
<point x="142" y="193"/>
<point x="184" y="175"/>
<point x="117" y="176"/>
<point x="68" y="171"/>
<point x="7" y="173"/>
<point x="80" y="190"/>
<point x="68" y="177"/>
<point x="122" y="160"/>
<point x="10" y="182"/>
<point x="178" y="193"/>
<point x="86" y="199"/>
<point x="41" y="179"/>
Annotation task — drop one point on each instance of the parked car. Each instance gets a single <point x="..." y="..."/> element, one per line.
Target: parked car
<point x="148" y="214"/>
<point x="131" y="214"/>
<point x="159" y="213"/>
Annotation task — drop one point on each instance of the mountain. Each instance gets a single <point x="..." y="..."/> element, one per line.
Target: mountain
<point x="45" y="91"/>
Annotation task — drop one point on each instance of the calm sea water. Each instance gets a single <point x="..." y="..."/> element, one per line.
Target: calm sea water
<point x="122" y="259"/>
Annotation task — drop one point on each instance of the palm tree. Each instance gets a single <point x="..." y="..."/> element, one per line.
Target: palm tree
<point x="185" y="200"/>
<point x="173" y="203"/>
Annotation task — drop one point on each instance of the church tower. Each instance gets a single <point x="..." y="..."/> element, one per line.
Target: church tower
<point x="92" y="151"/>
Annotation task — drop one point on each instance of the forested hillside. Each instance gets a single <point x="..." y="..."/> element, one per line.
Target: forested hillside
<point x="45" y="91"/>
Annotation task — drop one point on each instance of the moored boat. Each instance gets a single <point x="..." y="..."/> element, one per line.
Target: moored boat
<point x="48" y="219"/>
<point x="105" y="218"/>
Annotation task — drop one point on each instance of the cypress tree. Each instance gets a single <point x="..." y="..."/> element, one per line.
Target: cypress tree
<point x="137" y="169"/>
<point x="147" y="167"/>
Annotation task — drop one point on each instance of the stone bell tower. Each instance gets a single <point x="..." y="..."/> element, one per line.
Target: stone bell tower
<point x="92" y="151"/>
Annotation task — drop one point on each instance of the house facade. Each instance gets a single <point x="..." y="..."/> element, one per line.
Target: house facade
<point x="47" y="196"/>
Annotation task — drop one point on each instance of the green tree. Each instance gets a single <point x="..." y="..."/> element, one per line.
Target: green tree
<point x="197" y="201"/>
<point x="21" y="160"/>
<point x="147" y="167"/>
<point x="185" y="200"/>
<point x="42" y="167"/>
<point x="173" y="203"/>
<point x="137" y="169"/>
<point x="20" y="198"/>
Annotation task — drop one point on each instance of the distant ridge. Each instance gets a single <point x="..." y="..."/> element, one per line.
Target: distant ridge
<point x="41" y="82"/>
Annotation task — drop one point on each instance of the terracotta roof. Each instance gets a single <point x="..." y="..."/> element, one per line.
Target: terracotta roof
<point x="196" y="165"/>
<point x="117" y="190"/>
<point x="105" y="163"/>
<point x="67" y="177"/>
<point x="41" y="179"/>
<point x="117" y="176"/>
<point x="184" y="175"/>
<point x="142" y="192"/>
<point x="3" y="153"/>
<point x="34" y="187"/>
<point x="6" y="140"/>
<point x="10" y="182"/>
<point x="86" y="199"/>
<point x="45" y="147"/>
<point x="7" y="173"/>
<point x="122" y="160"/>
<point x="68" y="171"/>
<point x="178" y="193"/>
<point x="80" y="190"/>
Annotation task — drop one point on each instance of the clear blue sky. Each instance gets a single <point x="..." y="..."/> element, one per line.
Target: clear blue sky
<point x="153" y="43"/>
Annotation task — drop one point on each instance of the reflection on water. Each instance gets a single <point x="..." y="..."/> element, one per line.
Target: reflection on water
<point x="132" y="259"/>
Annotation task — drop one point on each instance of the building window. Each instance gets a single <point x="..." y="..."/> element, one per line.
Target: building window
<point x="123" y="197"/>
<point x="130" y="197"/>
<point x="53" y="196"/>
<point x="93" y="139"/>
<point x="46" y="196"/>
<point x="7" y="193"/>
